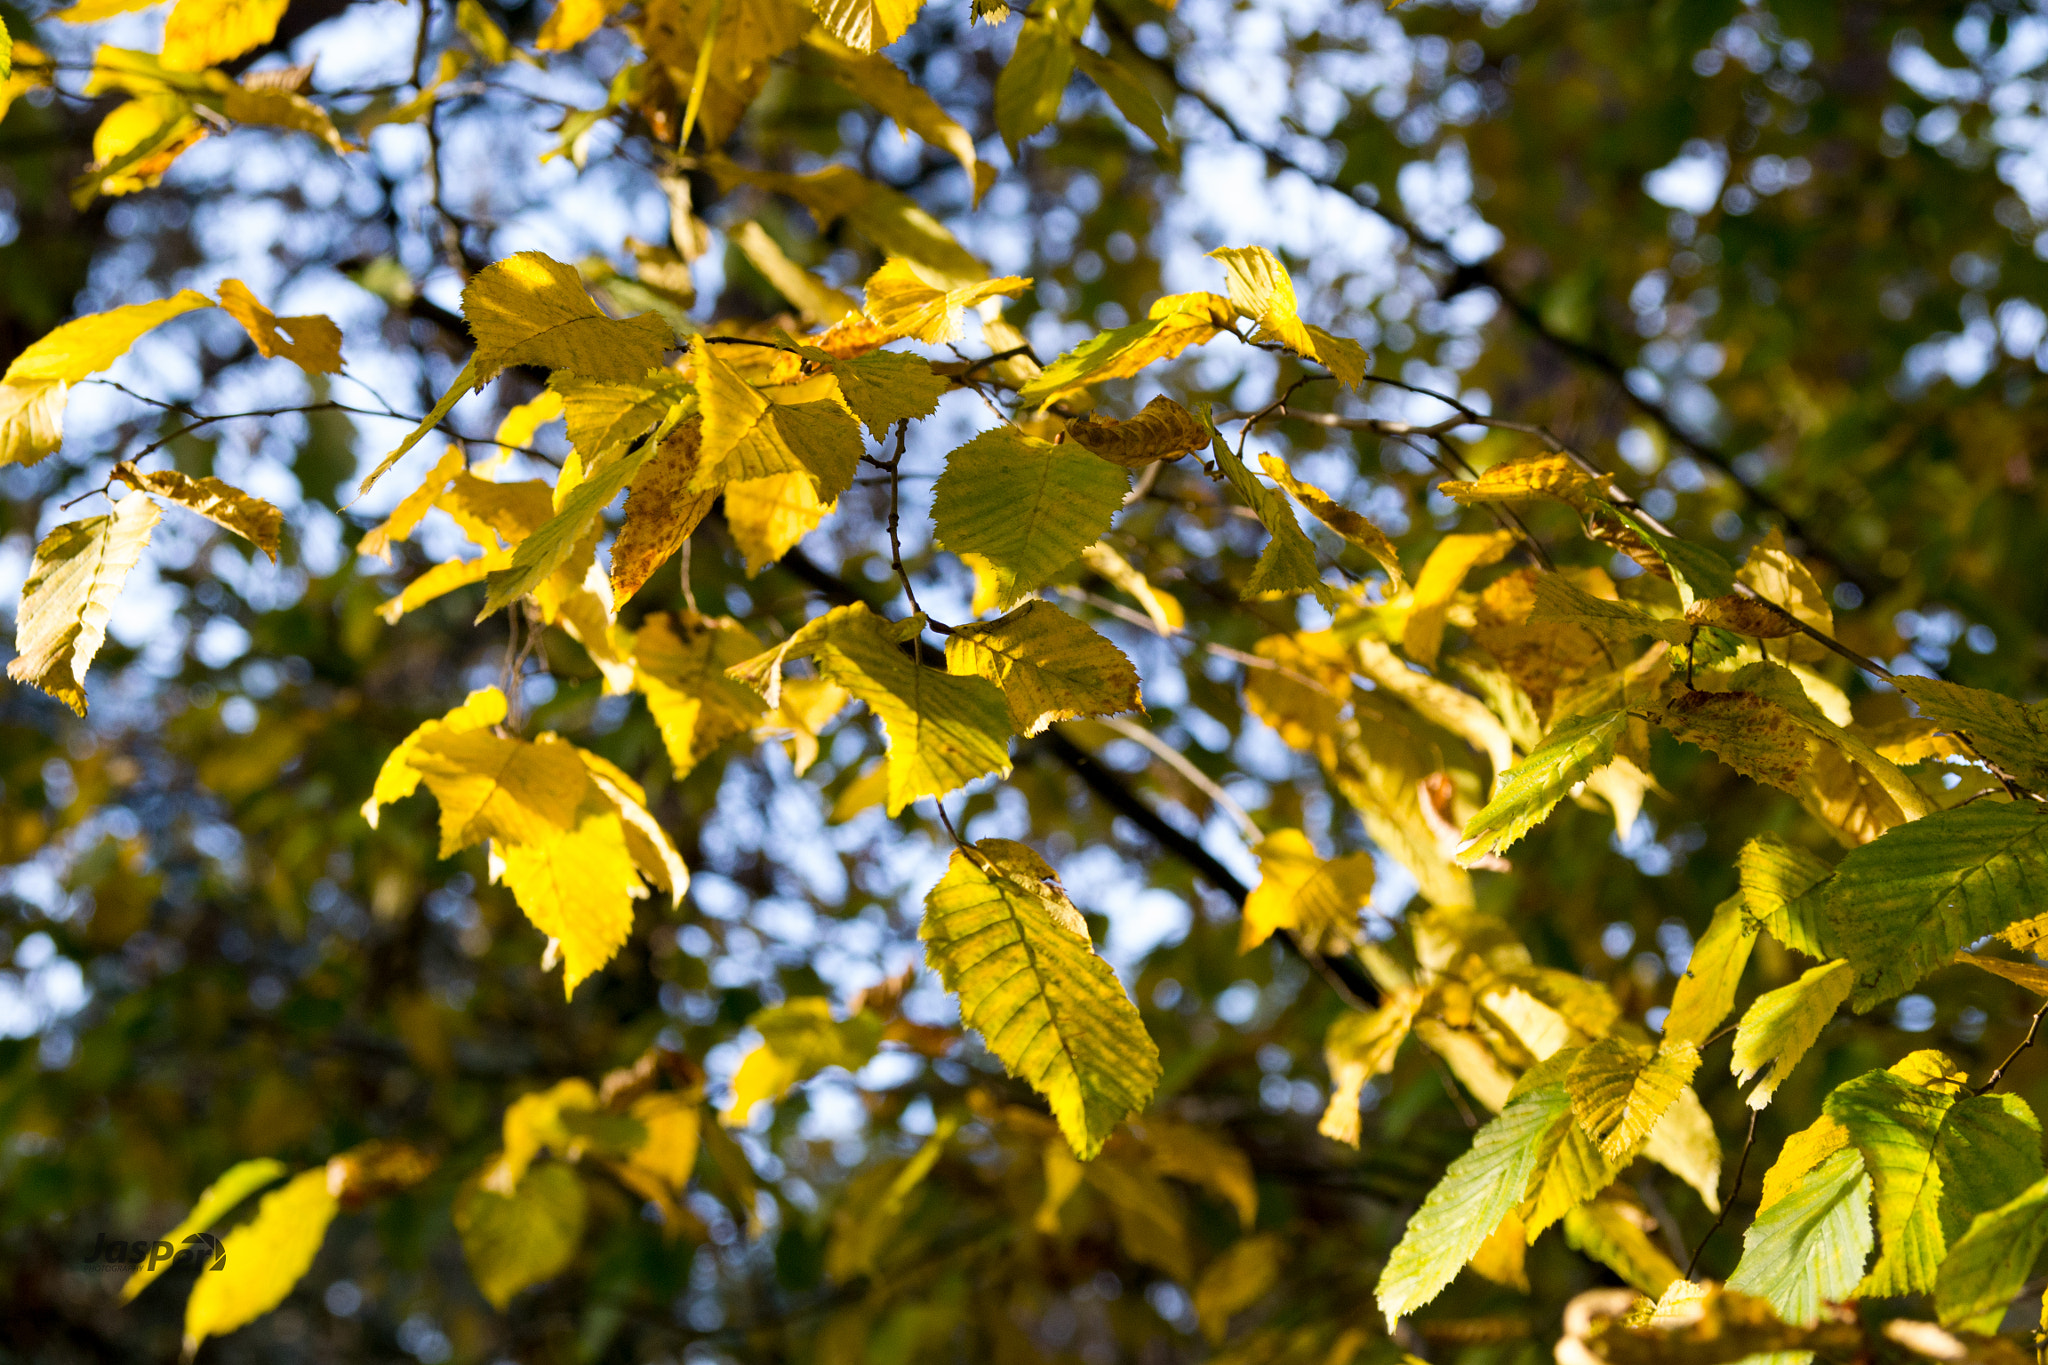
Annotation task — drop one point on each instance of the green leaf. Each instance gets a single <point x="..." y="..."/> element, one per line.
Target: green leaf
<point x="1481" y="1188"/>
<point x="1619" y="1090"/>
<point x="1706" y="992"/>
<point x="1939" y="1157"/>
<point x="1288" y="563"/>
<point x="1003" y="936"/>
<point x="1776" y="878"/>
<point x="1903" y="903"/>
<point x="540" y="554"/>
<point x="2011" y="734"/>
<point x="1173" y="324"/>
<point x="1530" y="790"/>
<point x="512" y="1241"/>
<point x="237" y="1183"/>
<point x="69" y="595"/>
<point x="1029" y="89"/>
<point x="1782" y="1024"/>
<point x="1027" y="506"/>
<point x="1990" y="1264"/>
<point x="1696" y="571"/>
<point x="1127" y="93"/>
<point x="265" y="1257"/>
<point x="887" y="387"/>
<point x="1808" y="1249"/>
<point x="1049" y="665"/>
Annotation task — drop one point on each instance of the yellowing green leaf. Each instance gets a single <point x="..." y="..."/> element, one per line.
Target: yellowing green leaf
<point x="1803" y="1151"/>
<point x="1776" y="878"/>
<point x="576" y="883"/>
<point x="1003" y="936"/>
<point x="1706" y="992"/>
<point x="1481" y="1188"/>
<point x="799" y="1039"/>
<point x="2008" y="733"/>
<point x="1027" y="506"/>
<point x="1529" y="791"/>
<point x="313" y="343"/>
<point x="1338" y="518"/>
<point x="1808" y="1249"/>
<point x="1619" y="1090"/>
<point x="2026" y="974"/>
<point x="1173" y="324"/>
<point x="1772" y="572"/>
<point x="531" y="310"/>
<point x="888" y="387"/>
<point x="32" y="391"/>
<point x="1263" y="291"/>
<point x="1234" y="1281"/>
<point x="602" y="417"/>
<point x="1988" y="1266"/>
<point x="540" y="554"/>
<point x="1543" y="476"/>
<point x="531" y="1235"/>
<point x="1050" y="666"/>
<point x="534" y="1123"/>
<point x="1288" y="563"/>
<point x="236" y="1183"/>
<point x="220" y="503"/>
<point x="1751" y="734"/>
<point x="203" y="33"/>
<point x="1901" y="905"/>
<point x="1564" y="602"/>
<point x="1782" y="1024"/>
<point x="1683" y="1142"/>
<point x="1129" y="94"/>
<point x="1939" y="1158"/>
<point x="265" y="1257"/>
<point x="867" y="25"/>
<point x="1163" y="431"/>
<point x="1318" y="900"/>
<point x="661" y="511"/>
<point x="572" y="21"/>
<point x="1028" y="91"/>
<point x="69" y="595"/>
<point x="909" y="303"/>
<point x="681" y="668"/>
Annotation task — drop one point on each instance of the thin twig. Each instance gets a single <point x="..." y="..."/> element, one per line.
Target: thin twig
<point x="1741" y="1165"/>
<point x="2033" y="1030"/>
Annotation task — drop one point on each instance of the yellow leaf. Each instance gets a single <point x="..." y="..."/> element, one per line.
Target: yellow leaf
<point x="1318" y="900"/>
<point x="203" y="33"/>
<point x="1027" y="506"/>
<point x="1459" y="712"/>
<point x="237" y="1183"/>
<point x="817" y="302"/>
<point x="674" y="1127"/>
<point x="1614" y="1231"/>
<point x="1443" y="573"/>
<point x="888" y="387"/>
<point x="747" y="436"/>
<point x="799" y="1039"/>
<point x="398" y="779"/>
<point x="1028" y="92"/>
<point x="1503" y="1256"/>
<point x="1357" y="1048"/>
<point x="1163" y="431"/>
<point x="32" y="390"/>
<point x="1050" y="666"/>
<point x="577" y="883"/>
<point x="441" y="580"/>
<point x="531" y="310"/>
<point x="1004" y="937"/>
<point x="220" y="503"/>
<point x="603" y="417"/>
<point x="1782" y="1024"/>
<point x="1777" y="577"/>
<point x="1620" y="1091"/>
<point x="1684" y="1143"/>
<point x="1338" y="518"/>
<point x="77" y="573"/>
<point x="1706" y="992"/>
<point x="31" y="420"/>
<point x="496" y="515"/>
<point x="681" y="667"/>
<point x="883" y="84"/>
<point x="1802" y="1152"/>
<point x="514" y="1241"/>
<point x="1543" y="476"/>
<point x="653" y="853"/>
<point x="533" y="1124"/>
<point x="265" y="1257"/>
<point x="903" y="300"/>
<point x="1173" y="324"/>
<point x="313" y="343"/>
<point x="572" y="21"/>
<point x="524" y="422"/>
<point x="1742" y="616"/>
<point x="273" y="108"/>
<point x="887" y="218"/>
<point x="94" y="11"/>
<point x="769" y="516"/>
<point x="1288" y="563"/>
<point x="661" y="512"/>
<point x="1234" y="1281"/>
<point x="750" y="36"/>
<point x="867" y="25"/>
<point x="414" y="505"/>
<point x="1201" y="1157"/>
<point x="1263" y="291"/>
<point x="1161" y="607"/>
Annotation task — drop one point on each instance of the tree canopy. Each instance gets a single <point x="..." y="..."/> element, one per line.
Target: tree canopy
<point x="866" y="681"/>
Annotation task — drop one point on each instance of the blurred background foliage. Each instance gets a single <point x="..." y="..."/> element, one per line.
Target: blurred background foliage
<point x="1780" y="263"/>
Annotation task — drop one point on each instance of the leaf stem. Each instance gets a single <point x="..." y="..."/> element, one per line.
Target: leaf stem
<point x="1741" y="1165"/>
